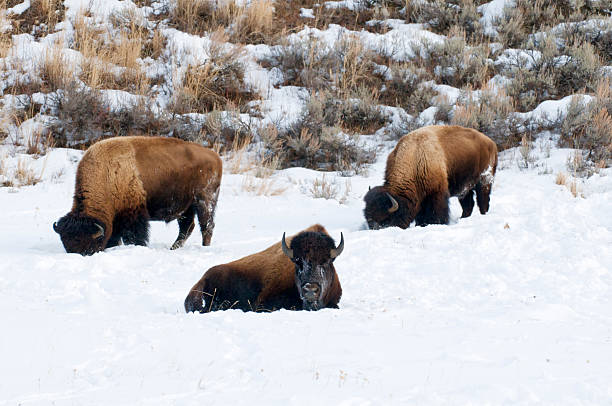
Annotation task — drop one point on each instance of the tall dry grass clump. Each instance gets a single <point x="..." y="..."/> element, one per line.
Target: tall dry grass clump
<point x="243" y="22"/>
<point x="56" y="70"/>
<point x="216" y="83"/>
<point x="490" y="112"/>
<point x="111" y="59"/>
<point x="453" y="62"/>
<point x="40" y="18"/>
<point x="588" y="127"/>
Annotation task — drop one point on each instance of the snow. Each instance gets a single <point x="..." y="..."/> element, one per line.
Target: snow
<point x="491" y="11"/>
<point x="510" y="307"/>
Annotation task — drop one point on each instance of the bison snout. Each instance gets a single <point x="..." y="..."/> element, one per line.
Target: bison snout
<point x="311" y="291"/>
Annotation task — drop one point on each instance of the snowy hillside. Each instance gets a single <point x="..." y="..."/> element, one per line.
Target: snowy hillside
<point x="511" y="307"/>
<point x="304" y="99"/>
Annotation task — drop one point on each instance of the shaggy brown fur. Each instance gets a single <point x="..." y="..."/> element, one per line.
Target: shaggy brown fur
<point x="428" y="166"/>
<point x="269" y="280"/>
<point x="124" y="182"/>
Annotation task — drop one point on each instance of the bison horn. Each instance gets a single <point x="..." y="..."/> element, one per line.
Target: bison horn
<point x="337" y="251"/>
<point x="99" y="233"/>
<point x="288" y="251"/>
<point x="394" y="203"/>
<point x="55" y="227"/>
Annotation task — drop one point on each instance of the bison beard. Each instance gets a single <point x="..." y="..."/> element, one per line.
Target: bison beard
<point x="295" y="275"/>
<point x="425" y="169"/>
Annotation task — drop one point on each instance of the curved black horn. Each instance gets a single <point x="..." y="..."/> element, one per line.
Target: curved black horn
<point x="288" y="251"/>
<point x="55" y="227"/>
<point x="99" y="233"/>
<point x="338" y="250"/>
<point x="394" y="203"/>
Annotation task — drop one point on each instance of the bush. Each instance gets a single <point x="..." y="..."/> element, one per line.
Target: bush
<point x="545" y="74"/>
<point x="526" y="17"/>
<point x="81" y="116"/>
<point x="405" y="88"/>
<point x="216" y="83"/>
<point x="588" y="126"/>
<point x="490" y="112"/>
<point x="313" y="64"/>
<point x="453" y="62"/>
<point x="316" y="141"/>
<point x="442" y="15"/>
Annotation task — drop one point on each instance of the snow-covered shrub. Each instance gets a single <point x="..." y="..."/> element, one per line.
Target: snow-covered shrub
<point x="223" y="129"/>
<point x="524" y="17"/>
<point x="588" y="127"/>
<point x="243" y="22"/>
<point x="442" y="15"/>
<point x="542" y="73"/>
<point x="596" y="32"/>
<point x="488" y="111"/>
<point x="81" y="116"/>
<point x="454" y="63"/>
<point x="316" y="141"/>
<point x="213" y="84"/>
<point x="313" y="64"/>
<point x="40" y="18"/>
<point x="406" y="88"/>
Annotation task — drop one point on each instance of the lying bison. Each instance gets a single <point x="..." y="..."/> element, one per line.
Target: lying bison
<point x="122" y="183"/>
<point x="425" y="168"/>
<point x="300" y="277"/>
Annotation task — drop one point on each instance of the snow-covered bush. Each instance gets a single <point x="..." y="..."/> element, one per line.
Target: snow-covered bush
<point x="442" y="15"/>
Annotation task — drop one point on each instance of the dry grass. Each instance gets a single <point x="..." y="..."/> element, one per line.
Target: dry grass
<point x="488" y="112"/>
<point x="242" y="22"/>
<point x="442" y="15"/>
<point x="323" y="188"/>
<point x="261" y="187"/>
<point x="24" y="175"/>
<point x="561" y="178"/>
<point x="111" y="60"/>
<point x="453" y="62"/>
<point x="56" y="69"/>
<point x="217" y="83"/>
<point x="238" y="160"/>
<point x="40" y="18"/>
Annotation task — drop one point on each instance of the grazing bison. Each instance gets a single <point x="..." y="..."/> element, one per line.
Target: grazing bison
<point x="122" y="183"/>
<point x="425" y="168"/>
<point x="300" y="277"/>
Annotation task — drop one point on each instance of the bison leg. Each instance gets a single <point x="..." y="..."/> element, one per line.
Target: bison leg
<point x="205" y="206"/>
<point x="434" y="210"/>
<point x="186" y="225"/>
<point x="467" y="203"/>
<point x="483" y="192"/>
<point x="136" y="231"/>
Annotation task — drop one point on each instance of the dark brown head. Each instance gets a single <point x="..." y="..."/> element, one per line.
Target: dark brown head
<point x="383" y="209"/>
<point x="313" y="255"/>
<point x="81" y="234"/>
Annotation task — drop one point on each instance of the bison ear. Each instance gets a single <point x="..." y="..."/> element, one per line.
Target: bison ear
<point x="99" y="231"/>
<point x="55" y="227"/>
<point x="369" y="188"/>
<point x="288" y="251"/>
<point x="337" y="251"/>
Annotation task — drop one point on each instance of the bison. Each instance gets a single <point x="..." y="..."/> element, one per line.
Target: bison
<point x="301" y="276"/>
<point x="425" y="168"/>
<point x="123" y="182"/>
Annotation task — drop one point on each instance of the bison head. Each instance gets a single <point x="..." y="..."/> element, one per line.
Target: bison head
<point x="80" y="234"/>
<point x="313" y="254"/>
<point x="382" y="209"/>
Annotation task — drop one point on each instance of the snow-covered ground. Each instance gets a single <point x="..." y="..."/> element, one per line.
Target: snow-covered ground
<point x="514" y="307"/>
